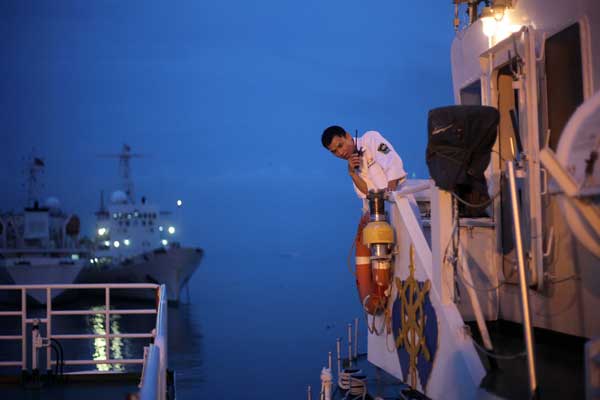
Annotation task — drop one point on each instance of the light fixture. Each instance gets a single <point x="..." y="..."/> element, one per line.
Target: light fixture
<point x="179" y="203"/>
<point x="164" y="242"/>
<point x="126" y="242"/>
<point x="102" y="231"/>
<point x="116" y="244"/>
<point x="498" y="21"/>
<point x="171" y="230"/>
<point x="488" y="20"/>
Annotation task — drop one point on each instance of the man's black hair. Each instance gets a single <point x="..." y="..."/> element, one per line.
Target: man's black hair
<point x="330" y="133"/>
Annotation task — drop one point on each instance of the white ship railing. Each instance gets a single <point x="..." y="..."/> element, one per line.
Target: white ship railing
<point x="107" y="312"/>
<point x="154" y="375"/>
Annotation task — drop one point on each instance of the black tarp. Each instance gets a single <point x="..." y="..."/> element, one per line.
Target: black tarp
<point x="460" y="141"/>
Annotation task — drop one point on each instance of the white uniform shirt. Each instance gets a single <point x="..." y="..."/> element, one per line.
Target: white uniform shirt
<point x="379" y="164"/>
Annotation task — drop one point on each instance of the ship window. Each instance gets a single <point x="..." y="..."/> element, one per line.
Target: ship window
<point x="564" y="79"/>
<point x="470" y="95"/>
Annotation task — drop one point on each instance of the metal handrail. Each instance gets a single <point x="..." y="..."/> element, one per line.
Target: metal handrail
<point x="154" y="376"/>
<point x="50" y="313"/>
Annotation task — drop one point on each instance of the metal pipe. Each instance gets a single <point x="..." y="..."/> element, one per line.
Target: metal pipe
<point x="24" y="329"/>
<point x="349" y="345"/>
<point x="339" y="360"/>
<point x="48" y="327"/>
<point x="355" y="338"/>
<point x="533" y="386"/>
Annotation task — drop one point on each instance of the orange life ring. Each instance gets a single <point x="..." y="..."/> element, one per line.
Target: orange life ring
<point x="372" y="290"/>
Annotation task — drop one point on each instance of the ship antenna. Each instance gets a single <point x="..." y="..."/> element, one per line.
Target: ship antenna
<point x="36" y="168"/>
<point x="102" y="209"/>
<point x="125" y="169"/>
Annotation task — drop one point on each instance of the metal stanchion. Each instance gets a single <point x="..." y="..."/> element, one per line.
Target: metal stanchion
<point x="533" y="386"/>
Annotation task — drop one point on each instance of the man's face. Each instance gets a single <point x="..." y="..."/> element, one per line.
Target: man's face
<point x="342" y="146"/>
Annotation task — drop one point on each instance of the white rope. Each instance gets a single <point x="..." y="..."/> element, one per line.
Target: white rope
<point x="354" y="382"/>
<point x="326" y="382"/>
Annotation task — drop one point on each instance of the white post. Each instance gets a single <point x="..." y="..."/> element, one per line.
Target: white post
<point x="339" y="360"/>
<point x="349" y="345"/>
<point x="23" y="329"/>
<point x="329" y="363"/>
<point x="355" y="338"/>
<point x="441" y="231"/>
<point x="326" y="380"/>
<point x="309" y="393"/>
<point x="49" y="328"/>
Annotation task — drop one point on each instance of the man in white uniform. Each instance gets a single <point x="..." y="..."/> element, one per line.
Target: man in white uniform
<point x="373" y="164"/>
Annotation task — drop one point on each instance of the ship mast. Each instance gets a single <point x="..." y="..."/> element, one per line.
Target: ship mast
<point x="125" y="170"/>
<point x="35" y="169"/>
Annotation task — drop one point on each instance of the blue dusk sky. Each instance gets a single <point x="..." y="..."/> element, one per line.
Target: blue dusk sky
<point x="224" y="99"/>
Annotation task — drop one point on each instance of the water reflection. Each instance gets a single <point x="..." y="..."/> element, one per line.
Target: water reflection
<point x="97" y="323"/>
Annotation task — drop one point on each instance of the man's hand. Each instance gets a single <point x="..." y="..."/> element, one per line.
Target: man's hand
<point x="353" y="162"/>
<point x="392" y="185"/>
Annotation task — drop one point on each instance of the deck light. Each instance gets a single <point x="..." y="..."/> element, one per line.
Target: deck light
<point x="489" y="21"/>
<point x="116" y="244"/>
<point x="102" y="231"/>
<point x="164" y="242"/>
<point x="126" y="242"/>
<point x="498" y="22"/>
<point x="171" y="230"/>
<point x="179" y="203"/>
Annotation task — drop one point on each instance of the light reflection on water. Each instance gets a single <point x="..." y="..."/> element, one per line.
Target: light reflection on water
<point x="97" y="323"/>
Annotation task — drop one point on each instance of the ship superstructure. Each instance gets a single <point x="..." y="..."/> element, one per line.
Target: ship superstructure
<point x="136" y="242"/>
<point x="510" y="234"/>
<point x="41" y="243"/>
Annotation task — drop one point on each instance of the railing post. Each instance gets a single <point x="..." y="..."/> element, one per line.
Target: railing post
<point x="49" y="328"/>
<point x="24" y="329"/>
<point x="107" y="321"/>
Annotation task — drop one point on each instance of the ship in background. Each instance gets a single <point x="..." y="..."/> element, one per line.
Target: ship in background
<point x="526" y="259"/>
<point x="135" y="241"/>
<point x="41" y="244"/>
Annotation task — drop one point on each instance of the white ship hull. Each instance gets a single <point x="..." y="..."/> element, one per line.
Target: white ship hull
<point x="173" y="267"/>
<point x="38" y="270"/>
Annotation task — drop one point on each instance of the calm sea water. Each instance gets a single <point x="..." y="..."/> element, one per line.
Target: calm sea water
<point x="259" y="329"/>
<point x="267" y="305"/>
